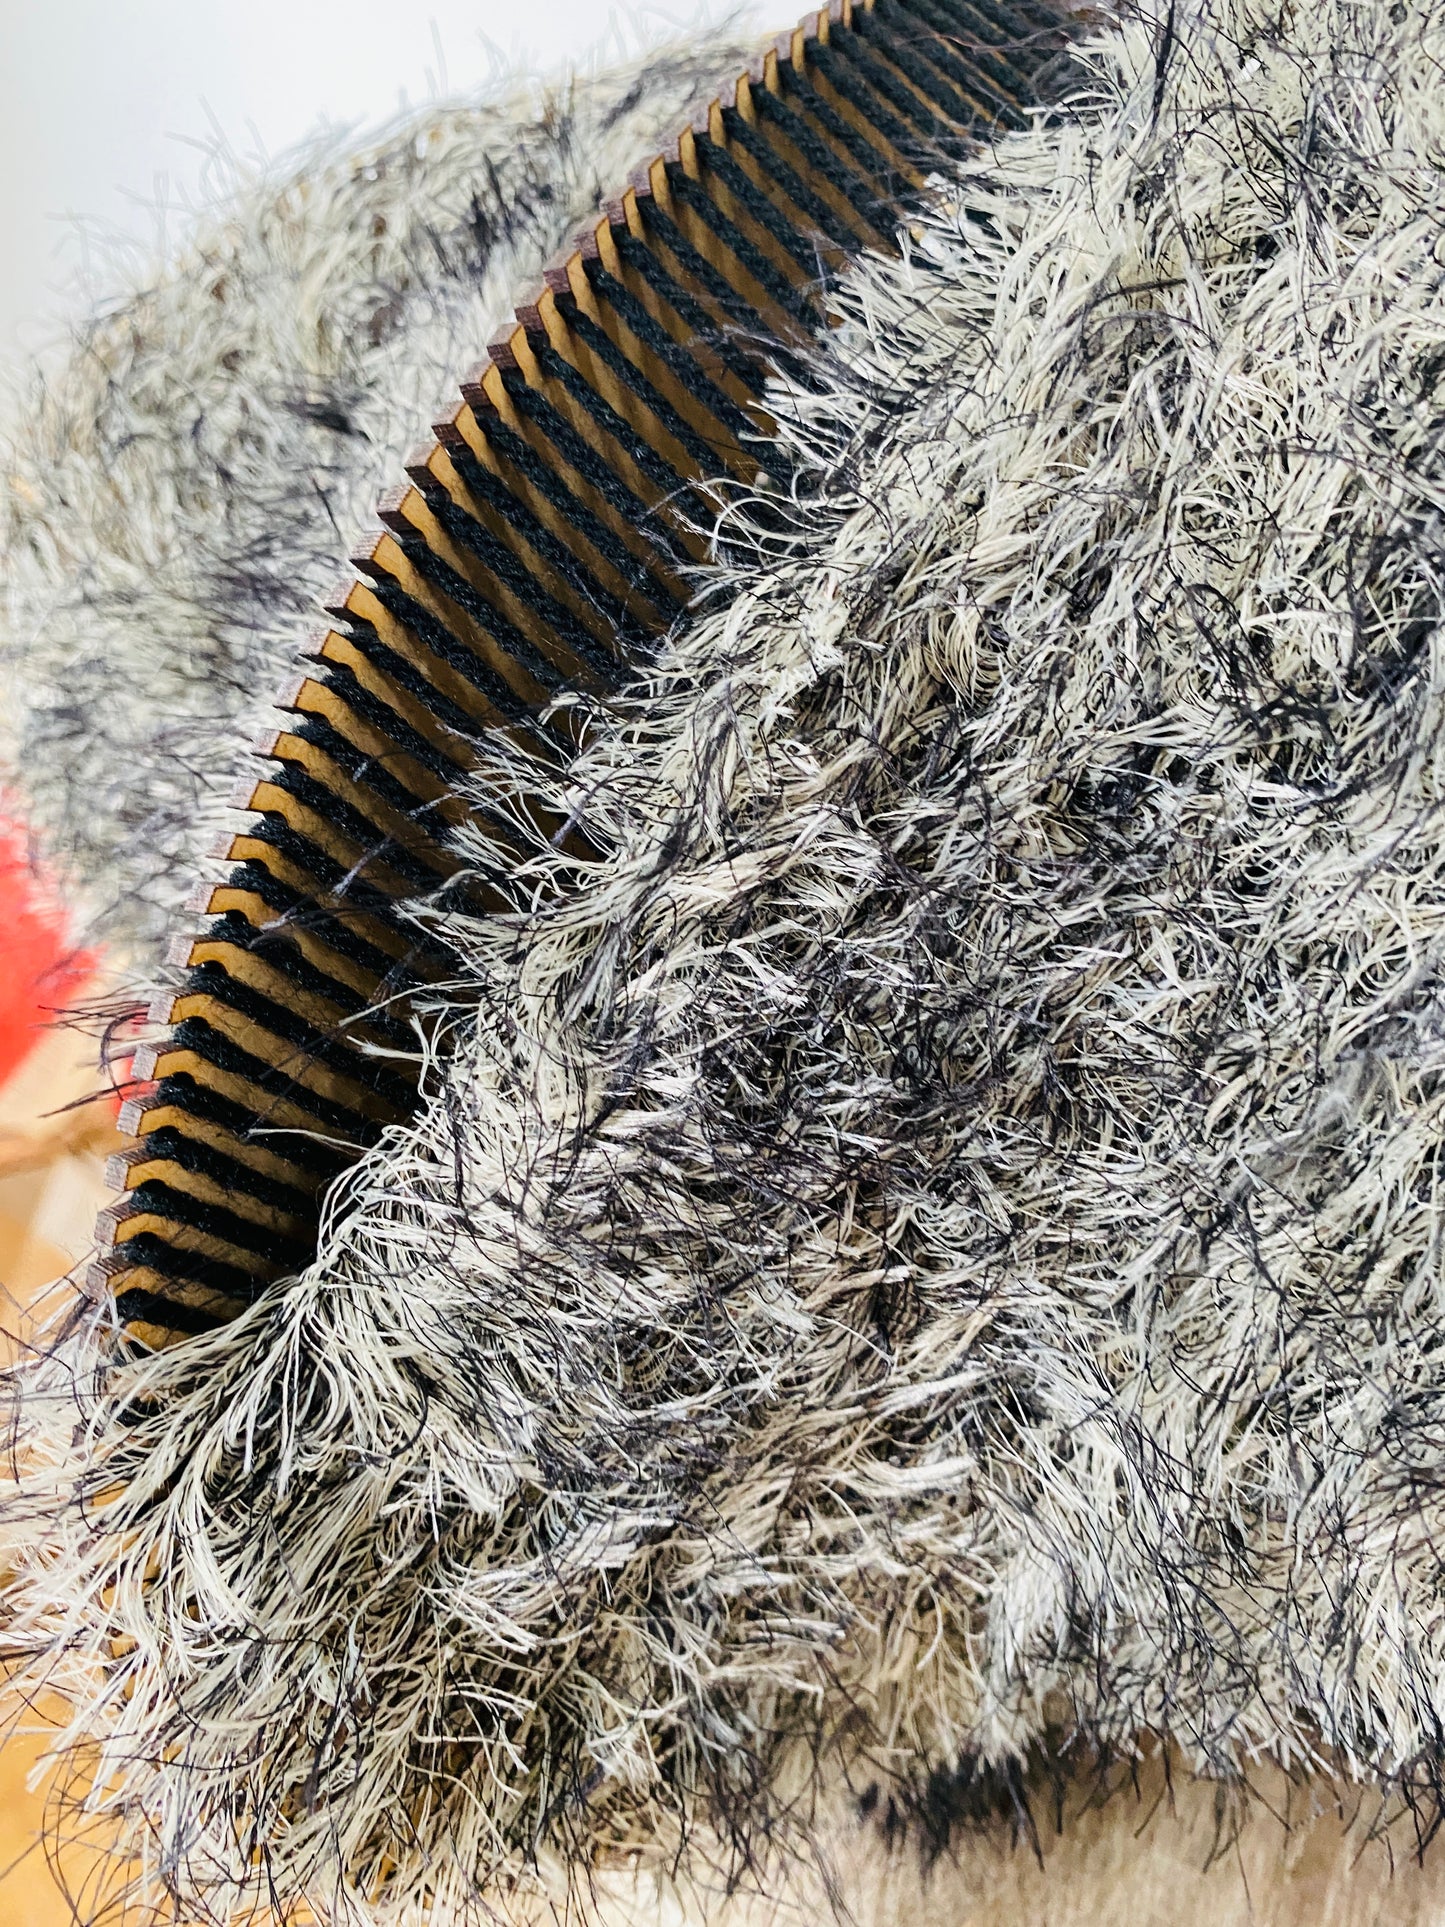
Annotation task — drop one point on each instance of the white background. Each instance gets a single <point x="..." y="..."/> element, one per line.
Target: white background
<point x="116" y="116"/>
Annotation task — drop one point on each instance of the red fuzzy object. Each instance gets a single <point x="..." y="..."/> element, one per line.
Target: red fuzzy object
<point x="41" y="971"/>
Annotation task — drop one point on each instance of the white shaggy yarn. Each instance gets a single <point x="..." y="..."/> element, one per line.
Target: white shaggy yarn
<point x="185" y="488"/>
<point x="930" y="1244"/>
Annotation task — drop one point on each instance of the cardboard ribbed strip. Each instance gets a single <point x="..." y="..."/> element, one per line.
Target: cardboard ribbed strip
<point x="538" y="543"/>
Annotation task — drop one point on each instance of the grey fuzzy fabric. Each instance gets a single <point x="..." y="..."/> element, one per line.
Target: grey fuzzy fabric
<point x="180" y="493"/>
<point x="929" y="1246"/>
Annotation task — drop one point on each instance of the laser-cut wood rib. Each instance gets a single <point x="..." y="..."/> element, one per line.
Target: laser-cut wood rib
<point x="539" y="540"/>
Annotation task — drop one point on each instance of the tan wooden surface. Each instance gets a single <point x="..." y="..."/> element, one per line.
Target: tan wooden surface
<point x="50" y="1189"/>
<point x="30" y="1893"/>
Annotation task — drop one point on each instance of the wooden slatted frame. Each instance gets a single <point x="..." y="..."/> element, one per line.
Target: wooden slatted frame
<point x="539" y="538"/>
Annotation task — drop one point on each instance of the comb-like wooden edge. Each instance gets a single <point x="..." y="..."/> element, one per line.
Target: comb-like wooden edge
<point x="539" y="541"/>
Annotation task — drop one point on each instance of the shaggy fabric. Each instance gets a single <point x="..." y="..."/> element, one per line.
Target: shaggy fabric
<point x="931" y="1243"/>
<point x="185" y="488"/>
